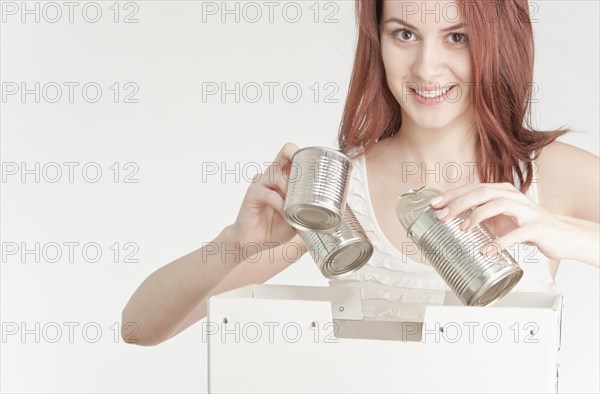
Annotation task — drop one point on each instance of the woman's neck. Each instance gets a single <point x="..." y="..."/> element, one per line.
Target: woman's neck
<point x="441" y="157"/>
<point x="455" y="143"/>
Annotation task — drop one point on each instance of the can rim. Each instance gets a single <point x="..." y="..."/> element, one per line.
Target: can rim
<point x="334" y="151"/>
<point x="427" y="210"/>
<point x="511" y="273"/>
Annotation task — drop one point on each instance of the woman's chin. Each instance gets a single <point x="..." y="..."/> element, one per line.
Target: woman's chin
<point x="431" y="120"/>
<point x="429" y="124"/>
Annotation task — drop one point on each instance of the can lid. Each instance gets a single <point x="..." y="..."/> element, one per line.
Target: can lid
<point x="347" y="259"/>
<point x="412" y="204"/>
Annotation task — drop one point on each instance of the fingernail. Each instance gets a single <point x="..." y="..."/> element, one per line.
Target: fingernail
<point x="442" y="214"/>
<point x="465" y="224"/>
<point x="436" y="200"/>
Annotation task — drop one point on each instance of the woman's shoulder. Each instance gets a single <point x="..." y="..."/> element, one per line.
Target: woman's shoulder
<point x="568" y="180"/>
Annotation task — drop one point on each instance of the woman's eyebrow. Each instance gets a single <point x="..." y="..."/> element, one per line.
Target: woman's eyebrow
<point x="397" y="20"/>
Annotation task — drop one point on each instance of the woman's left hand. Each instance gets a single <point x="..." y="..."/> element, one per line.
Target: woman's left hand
<point x="508" y="213"/>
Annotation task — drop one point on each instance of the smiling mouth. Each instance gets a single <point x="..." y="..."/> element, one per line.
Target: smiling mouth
<point x="431" y="94"/>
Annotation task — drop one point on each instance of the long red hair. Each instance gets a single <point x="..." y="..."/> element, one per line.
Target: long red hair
<point x="502" y="61"/>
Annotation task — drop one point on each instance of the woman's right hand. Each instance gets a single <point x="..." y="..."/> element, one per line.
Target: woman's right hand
<point x="260" y="219"/>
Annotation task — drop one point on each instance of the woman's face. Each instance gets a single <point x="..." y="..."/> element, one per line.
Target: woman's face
<point x="425" y="53"/>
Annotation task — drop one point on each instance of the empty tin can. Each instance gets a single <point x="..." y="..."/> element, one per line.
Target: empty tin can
<point x="317" y="189"/>
<point x="476" y="280"/>
<point x="340" y="251"/>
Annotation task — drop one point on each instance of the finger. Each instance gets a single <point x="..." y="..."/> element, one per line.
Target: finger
<point x="285" y="154"/>
<point x="499" y="206"/>
<point x="274" y="176"/>
<point x="479" y="196"/>
<point x="273" y="179"/>
<point x="521" y="235"/>
<point x="453" y="194"/>
<point x="282" y="165"/>
<point x="266" y="196"/>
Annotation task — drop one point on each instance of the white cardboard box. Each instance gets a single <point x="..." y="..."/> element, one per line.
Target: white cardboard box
<point x="273" y="338"/>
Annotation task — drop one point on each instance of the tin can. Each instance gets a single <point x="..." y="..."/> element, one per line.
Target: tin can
<point x="342" y="251"/>
<point x="317" y="189"/>
<point x="476" y="280"/>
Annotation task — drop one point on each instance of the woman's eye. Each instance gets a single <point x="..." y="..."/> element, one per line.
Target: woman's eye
<point x="458" y="38"/>
<point x="404" y="35"/>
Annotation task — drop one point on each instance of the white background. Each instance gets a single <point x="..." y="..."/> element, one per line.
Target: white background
<point x="170" y="135"/>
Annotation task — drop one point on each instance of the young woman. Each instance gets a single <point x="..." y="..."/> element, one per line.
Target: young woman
<point x="438" y="97"/>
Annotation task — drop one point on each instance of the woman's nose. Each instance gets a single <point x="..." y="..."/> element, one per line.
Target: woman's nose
<point x="429" y="63"/>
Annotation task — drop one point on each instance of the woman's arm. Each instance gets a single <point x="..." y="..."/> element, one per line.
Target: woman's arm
<point x="165" y="299"/>
<point x="174" y="297"/>
<point x="582" y="238"/>
<point x="569" y="181"/>
<point x="569" y="185"/>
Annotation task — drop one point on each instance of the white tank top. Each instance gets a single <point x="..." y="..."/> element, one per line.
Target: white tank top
<point x="396" y="287"/>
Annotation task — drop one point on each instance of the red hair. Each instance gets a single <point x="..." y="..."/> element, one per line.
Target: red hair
<point x="502" y="53"/>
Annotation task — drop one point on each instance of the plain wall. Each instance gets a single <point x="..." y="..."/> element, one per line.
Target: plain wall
<point x="165" y="199"/>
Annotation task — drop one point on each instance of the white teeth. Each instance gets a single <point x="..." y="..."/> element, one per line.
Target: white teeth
<point x="433" y="93"/>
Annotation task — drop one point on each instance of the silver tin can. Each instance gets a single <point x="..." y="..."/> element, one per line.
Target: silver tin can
<point x="476" y="280"/>
<point x="342" y="251"/>
<point x="317" y="189"/>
